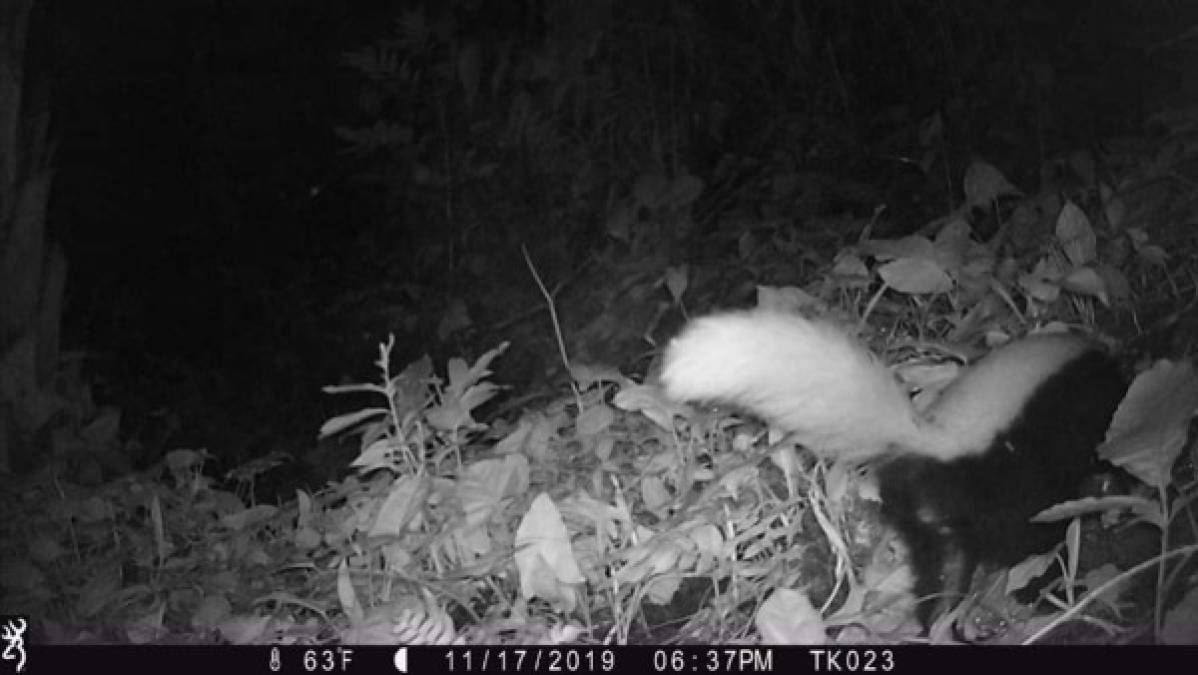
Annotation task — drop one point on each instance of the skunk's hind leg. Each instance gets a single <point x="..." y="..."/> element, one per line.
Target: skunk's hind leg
<point x="941" y="561"/>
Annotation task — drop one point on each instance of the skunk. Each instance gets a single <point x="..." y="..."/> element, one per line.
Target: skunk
<point x="1014" y="434"/>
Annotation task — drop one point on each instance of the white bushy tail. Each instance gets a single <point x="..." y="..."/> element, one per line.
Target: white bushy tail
<point x="808" y="377"/>
<point x="804" y="376"/>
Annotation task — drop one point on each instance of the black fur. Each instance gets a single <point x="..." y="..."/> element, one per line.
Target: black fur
<point x="956" y="515"/>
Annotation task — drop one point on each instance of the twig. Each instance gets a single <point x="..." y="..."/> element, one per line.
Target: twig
<point x="557" y="327"/>
<point x="1111" y="583"/>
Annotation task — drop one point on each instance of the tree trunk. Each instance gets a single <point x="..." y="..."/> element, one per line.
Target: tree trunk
<point x="32" y="272"/>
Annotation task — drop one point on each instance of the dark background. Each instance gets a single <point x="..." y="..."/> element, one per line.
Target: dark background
<point x="230" y="252"/>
